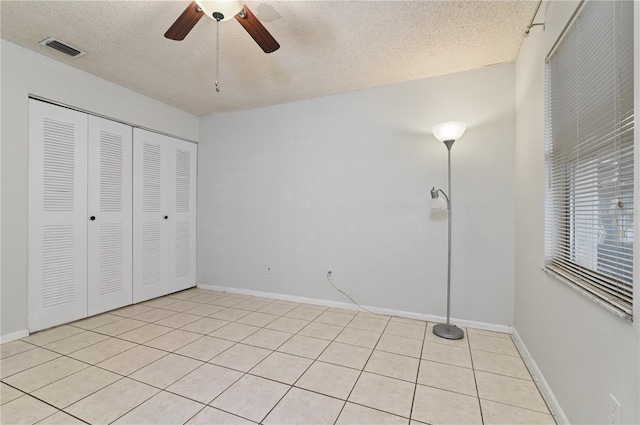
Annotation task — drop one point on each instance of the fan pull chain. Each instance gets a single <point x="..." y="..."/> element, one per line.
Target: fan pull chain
<point x="217" y="54"/>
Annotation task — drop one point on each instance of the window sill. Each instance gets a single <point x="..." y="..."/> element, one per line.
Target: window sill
<point x="585" y="293"/>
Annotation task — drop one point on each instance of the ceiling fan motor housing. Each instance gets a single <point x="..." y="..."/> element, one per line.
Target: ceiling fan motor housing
<point x="220" y="10"/>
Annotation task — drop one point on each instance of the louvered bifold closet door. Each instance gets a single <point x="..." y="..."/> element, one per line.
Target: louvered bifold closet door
<point x="150" y="215"/>
<point x="110" y="215"/>
<point x="57" y="241"/>
<point x="182" y="219"/>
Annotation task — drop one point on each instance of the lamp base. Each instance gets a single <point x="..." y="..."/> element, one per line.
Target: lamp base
<point x="448" y="331"/>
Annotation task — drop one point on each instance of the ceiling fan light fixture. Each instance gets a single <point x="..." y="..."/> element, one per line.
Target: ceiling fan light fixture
<point x="228" y="8"/>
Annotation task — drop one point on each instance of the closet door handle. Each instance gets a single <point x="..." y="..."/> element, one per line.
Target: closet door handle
<point x="93" y="217"/>
<point x="166" y="217"/>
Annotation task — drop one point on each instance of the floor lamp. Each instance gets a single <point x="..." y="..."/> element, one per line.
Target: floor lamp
<point x="447" y="132"/>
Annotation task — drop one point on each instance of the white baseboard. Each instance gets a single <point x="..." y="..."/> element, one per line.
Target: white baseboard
<point x="543" y="386"/>
<point x="13" y="336"/>
<point x="349" y="306"/>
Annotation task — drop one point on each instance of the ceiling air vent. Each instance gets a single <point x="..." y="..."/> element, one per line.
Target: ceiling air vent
<point x="62" y="47"/>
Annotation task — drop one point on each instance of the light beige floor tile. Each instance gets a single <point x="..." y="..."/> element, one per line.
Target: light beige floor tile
<point x="68" y="390"/>
<point x="500" y="364"/>
<point x="75" y="342"/>
<point x="129" y="361"/>
<point x="241" y="357"/>
<point x="227" y="302"/>
<point x="234" y="331"/>
<point x="304" y="313"/>
<point x="346" y="355"/>
<point x="335" y="381"/>
<point x="282" y="367"/>
<point x="482" y="332"/>
<point x="362" y="313"/>
<point x="166" y="370"/>
<point x="50" y="335"/>
<point x="120" y="327"/>
<point x="60" y="418"/>
<point x="205" y="325"/>
<point x="188" y="294"/>
<point x="96" y="321"/>
<point x="406" y="330"/>
<point x="44" y="374"/>
<point x="251" y="397"/>
<point x="358" y="337"/>
<point x="154" y="315"/>
<point x="304" y="346"/>
<point x="252" y="305"/>
<point x="447" y="377"/>
<point x="408" y="321"/>
<point x="431" y="337"/>
<point x="304" y="407"/>
<point x="111" y="402"/>
<point x="436" y="406"/>
<point x="354" y="414"/>
<point x="205" y="383"/>
<point x="8" y="393"/>
<point x="332" y="318"/>
<point x="314" y="306"/>
<point x="368" y="324"/>
<point x="393" y="365"/>
<point x="229" y="314"/>
<point x="160" y="302"/>
<point x="501" y="414"/>
<point x="210" y="415"/>
<point x="102" y="350"/>
<point x="145" y="333"/>
<point x="267" y="338"/>
<point x="276" y="309"/>
<point x="288" y="324"/>
<point x="493" y="345"/>
<point x="25" y="360"/>
<point x="204" y="309"/>
<point x="399" y="345"/>
<point x="383" y="393"/>
<point x="25" y="410"/>
<point x="14" y="347"/>
<point x="181" y="306"/>
<point x="205" y="348"/>
<point x="131" y="310"/>
<point x="507" y="390"/>
<point x="173" y="340"/>
<point x="178" y="320"/>
<point x="321" y="330"/>
<point x="162" y="408"/>
<point x="257" y="319"/>
<point x="349" y="311"/>
<point x="457" y="356"/>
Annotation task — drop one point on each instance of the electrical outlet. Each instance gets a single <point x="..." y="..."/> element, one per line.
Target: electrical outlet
<point x="614" y="410"/>
<point x="269" y="270"/>
<point x="329" y="274"/>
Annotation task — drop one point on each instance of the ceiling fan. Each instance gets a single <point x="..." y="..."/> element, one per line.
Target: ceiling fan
<point x="222" y="10"/>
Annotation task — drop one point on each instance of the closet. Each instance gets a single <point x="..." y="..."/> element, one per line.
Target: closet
<point x="111" y="214"/>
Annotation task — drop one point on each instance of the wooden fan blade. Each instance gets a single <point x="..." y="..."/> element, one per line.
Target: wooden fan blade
<point x="185" y="22"/>
<point x="257" y="31"/>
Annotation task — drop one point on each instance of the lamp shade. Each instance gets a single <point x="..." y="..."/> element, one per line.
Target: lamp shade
<point x="437" y="204"/>
<point x="450" y="130"/>
<point x="228" y="8"/>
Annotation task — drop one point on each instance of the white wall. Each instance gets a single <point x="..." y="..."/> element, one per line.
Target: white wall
<point x="583" y="351"/>
<point x="342" y="183"/>
<point x="25" y="72"/>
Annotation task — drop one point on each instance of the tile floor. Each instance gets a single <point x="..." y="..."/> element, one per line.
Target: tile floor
<point x="206" y="357"/>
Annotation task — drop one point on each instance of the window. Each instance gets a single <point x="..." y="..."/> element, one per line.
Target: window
<point x="590" y="136"/>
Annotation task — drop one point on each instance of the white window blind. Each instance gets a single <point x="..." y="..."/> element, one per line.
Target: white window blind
<point x="590" y="136"/>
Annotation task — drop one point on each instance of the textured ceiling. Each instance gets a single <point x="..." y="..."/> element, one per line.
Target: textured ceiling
<point x="328" y="47"/>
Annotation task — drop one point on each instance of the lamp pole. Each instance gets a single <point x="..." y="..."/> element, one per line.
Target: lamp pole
<point x="447" y="330"/>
